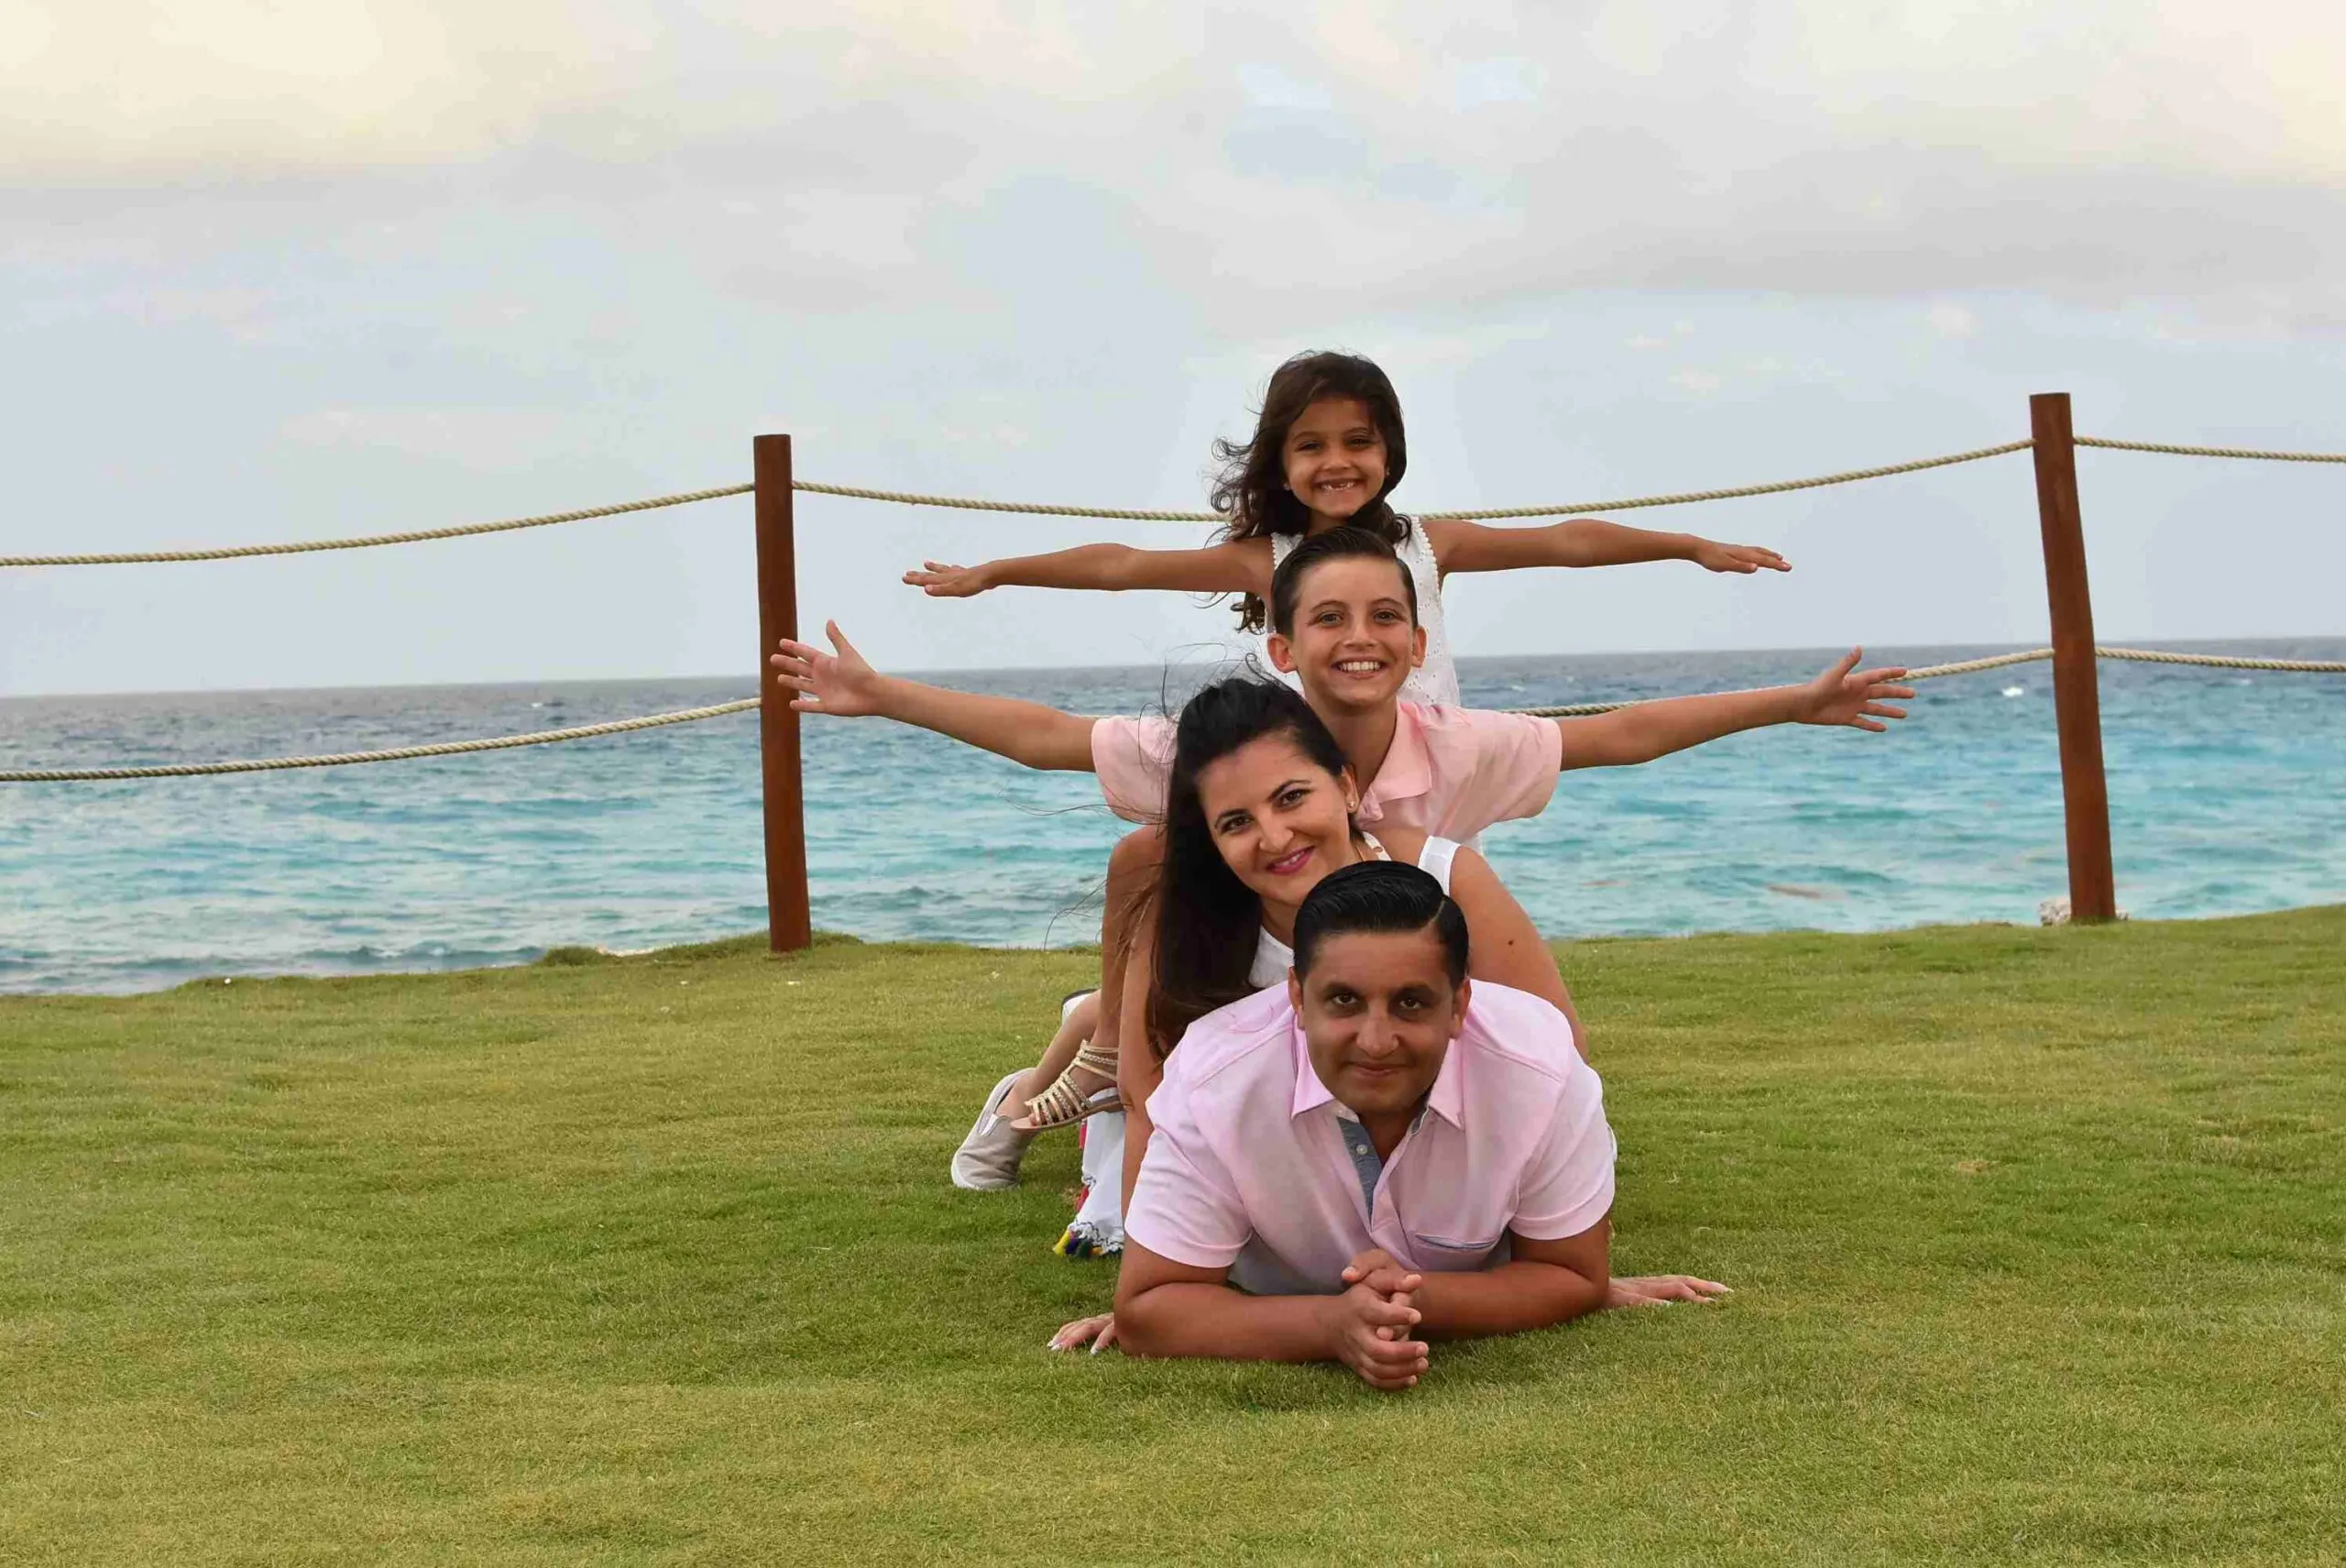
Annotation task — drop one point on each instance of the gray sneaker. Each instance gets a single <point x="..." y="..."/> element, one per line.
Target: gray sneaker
<point x="988" y="1159"/>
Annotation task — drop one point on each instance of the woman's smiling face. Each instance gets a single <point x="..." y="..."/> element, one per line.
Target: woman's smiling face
<point x="1280" y="820"/>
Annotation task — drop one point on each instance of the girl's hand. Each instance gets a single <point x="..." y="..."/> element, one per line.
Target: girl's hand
<point x="843" y="683"/>
<point x="1839" y="696"/>
<point x="1099" y="1333"/>
<point x="943" y="580"/>
<point x="1713" y="556"/>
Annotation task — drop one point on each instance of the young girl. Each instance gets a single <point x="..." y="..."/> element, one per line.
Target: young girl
<point x="1328" y="449"/>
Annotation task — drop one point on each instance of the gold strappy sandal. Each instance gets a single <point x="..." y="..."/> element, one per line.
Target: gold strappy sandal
<point x="1063" y="1105"/>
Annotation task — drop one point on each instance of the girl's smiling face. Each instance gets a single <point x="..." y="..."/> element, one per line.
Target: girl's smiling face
<point x="1280" y="820"/>
<point x="1335" y="459"/>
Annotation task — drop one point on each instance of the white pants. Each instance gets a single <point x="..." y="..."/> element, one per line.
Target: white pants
<point x="1101" y="1221"/>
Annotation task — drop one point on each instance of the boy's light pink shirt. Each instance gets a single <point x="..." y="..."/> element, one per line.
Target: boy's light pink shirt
<point x="1451" y="771"/>
<point x="1247" y="1170"/>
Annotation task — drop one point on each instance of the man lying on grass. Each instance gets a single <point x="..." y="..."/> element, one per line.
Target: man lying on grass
<point x="1379" y="1155"/>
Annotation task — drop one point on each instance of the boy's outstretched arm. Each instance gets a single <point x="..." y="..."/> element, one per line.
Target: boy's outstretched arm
<point x="1234" y="567"/>
<point x="1585" y="542"/>
<point x="845" y="685"/>
<point x="1843" y="694"/>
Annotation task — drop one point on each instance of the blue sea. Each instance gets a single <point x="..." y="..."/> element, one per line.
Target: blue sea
<point x="2224" y="788"/>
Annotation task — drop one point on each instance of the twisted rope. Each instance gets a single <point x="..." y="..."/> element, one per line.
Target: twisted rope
<point x="396" y="754"/>
<point x="688" y="715"/>
<point x="1633" y="502"/>
<point x="2227" y="661"/>
<point x="2000" y="660"/>
<point x="1126" y="514"/>
<point x="964" y="503"/>
<point x="300" y="547"/>
<point x="2212" y="451"/>
<point x="1033" y="508"/>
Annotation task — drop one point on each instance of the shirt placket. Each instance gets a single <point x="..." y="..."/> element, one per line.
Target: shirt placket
<point x="1383" y="1220"/>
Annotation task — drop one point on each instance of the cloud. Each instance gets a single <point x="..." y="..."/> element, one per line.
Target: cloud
<point x="476" y="437"/>
<point x="1311" y="164"/>
<point x="1950" y="320"/>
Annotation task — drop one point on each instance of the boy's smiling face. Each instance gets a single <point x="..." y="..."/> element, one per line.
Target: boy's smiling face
<point x="1353" y="640"/>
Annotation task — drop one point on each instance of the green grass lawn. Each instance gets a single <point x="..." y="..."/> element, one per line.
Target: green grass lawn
<point x="2038" y="1241"/>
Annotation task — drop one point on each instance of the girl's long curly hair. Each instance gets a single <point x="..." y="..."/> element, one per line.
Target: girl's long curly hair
<point x="1251" y="490"/>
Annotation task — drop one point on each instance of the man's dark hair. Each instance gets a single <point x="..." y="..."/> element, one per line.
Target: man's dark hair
<point x="1334" y="544"/>
<point x="1380" y="895"/>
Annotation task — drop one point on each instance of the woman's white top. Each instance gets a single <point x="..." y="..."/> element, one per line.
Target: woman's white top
<point x="1274" y="957"/>
<point x="1436" y="680"/>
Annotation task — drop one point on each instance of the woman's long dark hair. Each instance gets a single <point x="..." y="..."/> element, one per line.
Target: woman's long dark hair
<point x="1207" y="921"/>
<point x="1252" y="489"/>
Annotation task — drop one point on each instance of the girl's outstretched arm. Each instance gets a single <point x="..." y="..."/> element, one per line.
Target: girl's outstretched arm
<point x="845" y="685"/>
<point x="1584" y="542"/>
<point x="1232" y="566"/>
<point x="1843" y="694"/>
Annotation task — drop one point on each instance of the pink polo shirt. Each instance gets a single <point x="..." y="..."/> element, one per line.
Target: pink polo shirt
<point x="1451" y="771"/>
<point x="1249" y="1168"/>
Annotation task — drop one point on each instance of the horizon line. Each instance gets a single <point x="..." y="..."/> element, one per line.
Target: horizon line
<point x="1160" y="667"/>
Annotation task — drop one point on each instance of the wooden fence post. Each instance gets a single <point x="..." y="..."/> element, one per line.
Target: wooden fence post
<point x="2076" y="693"/>
<point x="789" y="923"/>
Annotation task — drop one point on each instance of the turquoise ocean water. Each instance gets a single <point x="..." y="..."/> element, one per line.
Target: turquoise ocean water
<point x="2224" y="786"/>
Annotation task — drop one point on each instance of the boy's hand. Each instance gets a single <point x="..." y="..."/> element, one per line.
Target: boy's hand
<point x="842" y="683"/>
<point x="1713" y="556"/>
<point x="1839" y="696"/>
<point x="942" y="580"/>
<point x="1364" y="1330"/>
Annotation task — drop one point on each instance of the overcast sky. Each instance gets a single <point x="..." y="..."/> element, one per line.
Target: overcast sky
<point x="273" y="272"/>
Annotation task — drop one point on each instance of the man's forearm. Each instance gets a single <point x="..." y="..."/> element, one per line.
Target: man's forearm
<point x="1509" y="1300"/>
<point x="1216" y="1321"/>
<point x="1645" y="730"/>
<point x="1026" y="732"/>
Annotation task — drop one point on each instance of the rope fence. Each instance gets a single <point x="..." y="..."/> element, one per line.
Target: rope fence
<point x="2034" y="655"/>
<point x="395" y="754"/>
<point x="1120" y="514"/>
<point x="364" y="542"/>
<point x="691" y="715"/>
<point x="2250" y="452"/>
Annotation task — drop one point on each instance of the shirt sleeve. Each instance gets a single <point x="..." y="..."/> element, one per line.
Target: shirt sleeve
<point x="1567" y="1186"/>
<point x="1516" y="760"/>
<point x="1185" y="1206"/>
<point x="1134" y="757"/>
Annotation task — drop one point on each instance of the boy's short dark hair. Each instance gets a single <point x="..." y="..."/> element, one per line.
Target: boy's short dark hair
<point x="1380" y="895"/>
<point x="1335" y="544"/>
